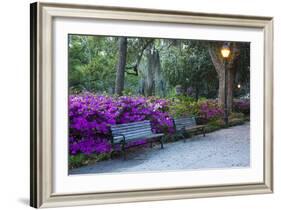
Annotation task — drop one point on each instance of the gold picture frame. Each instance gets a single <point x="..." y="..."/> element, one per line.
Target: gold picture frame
<point x="42" y="16"/>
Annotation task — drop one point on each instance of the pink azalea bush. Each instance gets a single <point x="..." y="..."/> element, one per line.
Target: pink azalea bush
<point x="241" y="105"/>
<point x="210" y="110"/>
<point x="90" y="117"/>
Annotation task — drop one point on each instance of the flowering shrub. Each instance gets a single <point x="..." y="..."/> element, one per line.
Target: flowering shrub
<point x="206" y="110"/>
<point x="90" y="117"/>
<point x="210" y="110"/>
<point x="241" y="105"/>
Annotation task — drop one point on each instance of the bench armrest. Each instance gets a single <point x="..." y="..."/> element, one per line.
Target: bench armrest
<point x="119" y="134"/>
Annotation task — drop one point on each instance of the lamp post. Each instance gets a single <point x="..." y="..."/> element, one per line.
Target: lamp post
<point x="225" y="51"/>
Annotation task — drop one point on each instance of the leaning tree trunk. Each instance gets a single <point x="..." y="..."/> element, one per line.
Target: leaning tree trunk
<point x="151" y="64"/>
<point x="219" y="67"/>
<point x="230" y="81"/>
<point x="154" y="82"/>
<point x="214" y="51"/>
<point x="120" y="72"/>
<point x="158" y="77"/>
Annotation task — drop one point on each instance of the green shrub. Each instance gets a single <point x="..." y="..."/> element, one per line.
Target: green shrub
<point x="212" y="128"/>
<point x="81" y="159"/>
<point x="242" y="106"/>
<point x="216" y="122"/>
<point x="183" y="106"/>
<point x="236" y="115"/>
<point x="236" y="121"/>
<point x="76" y="160"/>
<point x="102" y="156"/>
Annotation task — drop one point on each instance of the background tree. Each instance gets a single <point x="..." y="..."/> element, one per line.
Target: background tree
<point x="92" y="63"/>
<point x="120" y="73"/>
<point x="242" y="76"/>
<point x="136" y="68"/>
<point x="188" y="64"/>
<point x="231" y="66"/>
<point x="155" y="67"/>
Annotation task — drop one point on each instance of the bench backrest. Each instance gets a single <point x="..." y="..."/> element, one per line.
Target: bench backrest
<point x="131" y="130"/>
<point x="182" y="123"/>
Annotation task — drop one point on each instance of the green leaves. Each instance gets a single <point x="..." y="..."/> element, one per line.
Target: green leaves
<point x="187" y="63"/>
<point x="92" y="61"/>
<point x="183" y="106"/>
<point x="76" y="160"/>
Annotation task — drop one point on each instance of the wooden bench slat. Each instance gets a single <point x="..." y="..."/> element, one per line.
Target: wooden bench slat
<point x="195" y="127"/>
<point x="117" y="139"/>
<point x="184" y="118"/>
<point x="132" y="138"/>
<point x="133" y="132"/>
<point x="153" y="135"/>
<point x="136" y="135"/>
<point x="131" y="129"/>
<point x="128" y="132"/>
<point x="126" y="135"/>
<point x="185" y="121"/>
<point x="136" y="124"/>
<point x="143" y="133"/>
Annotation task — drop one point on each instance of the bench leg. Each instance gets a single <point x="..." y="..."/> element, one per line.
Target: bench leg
<point x="123" y="147"/>
<point x="204" y="132"/>
<point x="184" y="138"/>
<point x="161" y="142"/>
<point x="151" y="144"/>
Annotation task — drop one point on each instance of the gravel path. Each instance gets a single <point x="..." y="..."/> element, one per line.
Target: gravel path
<point x="224" y="148"/>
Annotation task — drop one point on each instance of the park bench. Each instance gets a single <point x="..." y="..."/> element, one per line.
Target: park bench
<point x="122" y="134"/>
<point x="187" y="124"/>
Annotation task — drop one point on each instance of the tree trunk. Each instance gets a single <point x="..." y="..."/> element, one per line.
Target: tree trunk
<point x="151" y="65"/>
<point x="219" y="67"/>
<point x="196" y="93"/>
<point x="120" y="72"/>
<point x="154" y="82"/>
<point x="158" y="77"/>
<point x="141" y="86"/>
<point x="88" y="52"/>
<point x="221" y="89"/>
<point x="217" y="60"/>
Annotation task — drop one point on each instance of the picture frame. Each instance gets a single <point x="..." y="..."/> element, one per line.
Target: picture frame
<point x="42" y="17"/>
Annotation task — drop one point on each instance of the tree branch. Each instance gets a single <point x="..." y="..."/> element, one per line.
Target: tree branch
<point x="217" y="62"/>
<point x="136" y="65"/>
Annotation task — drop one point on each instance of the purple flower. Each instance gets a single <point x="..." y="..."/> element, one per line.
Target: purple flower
<point x="210" y="109"/>
<point x="90" y="117"/>
<point x="241" y="105"/>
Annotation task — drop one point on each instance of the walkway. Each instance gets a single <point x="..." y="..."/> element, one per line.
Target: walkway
<point x="224" y="148"/>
